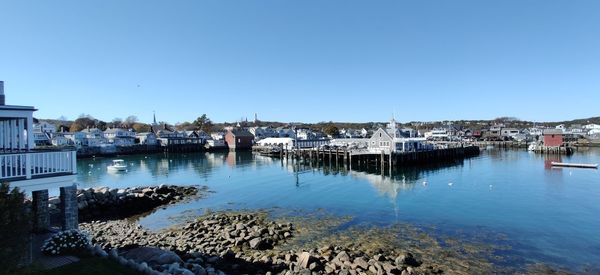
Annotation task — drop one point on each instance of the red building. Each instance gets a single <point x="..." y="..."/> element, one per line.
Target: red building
<point x="239" y="139"/>
<point x="553" y="137"/>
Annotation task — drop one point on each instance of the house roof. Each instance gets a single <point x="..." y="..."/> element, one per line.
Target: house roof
<point x="241" y="133"/>
<point x="552" y="132"/>
<point x="88" y="130"/>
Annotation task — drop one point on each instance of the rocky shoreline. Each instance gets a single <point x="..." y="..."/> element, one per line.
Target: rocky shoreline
<point x="245" y="244"/>
<point x="104" y="203"/>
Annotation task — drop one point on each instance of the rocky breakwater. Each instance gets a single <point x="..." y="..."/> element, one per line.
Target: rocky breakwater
<point x="104" y="203"/>
<point x="250" y="244"/>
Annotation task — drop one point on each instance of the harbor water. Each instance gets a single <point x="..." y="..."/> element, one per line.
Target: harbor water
<point x="512" y="198"/>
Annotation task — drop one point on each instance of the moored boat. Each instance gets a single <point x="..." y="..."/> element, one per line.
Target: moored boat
<point x="117" y="165"/>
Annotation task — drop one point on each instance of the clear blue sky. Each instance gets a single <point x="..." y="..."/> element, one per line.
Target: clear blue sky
<point x="303" y="60"/>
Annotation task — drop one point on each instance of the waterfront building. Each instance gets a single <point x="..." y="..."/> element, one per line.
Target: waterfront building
<point x="495" y="132"/>
<point x="289" y="143"/>
<point x="509" y="133"/>
<point x="218" y="135"/>
<point x="58" y="139"/>
<point x="351" y="143"/>
<point x="147" y="138"/>
<point x="438" y="134"/>
<point x="76" y="138"/>
<point x="286" y="132"/>
<point x="36" y="171"/>
<point x="239" y="139"/>
<point x="168" y="137"/>
<point x="120" y="137"/>
<point x="364" y="133"/>
<point x="392" y="139"/>
<point x="591" y="129"/>
<point x="262" y="132"/>
<point x="553" y="137"/>
<point x="203" y="135"/>
<point x="44" y="127"/>
<point x="41" y="139"/>
<point x="280" y="142"/>
<point x="213" y="144"/>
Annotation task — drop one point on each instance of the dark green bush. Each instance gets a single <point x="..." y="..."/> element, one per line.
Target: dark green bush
<point x="15" y="227"/>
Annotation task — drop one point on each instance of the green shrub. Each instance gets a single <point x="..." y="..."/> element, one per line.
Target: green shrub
<point x="15" y="227"/>
<point x="68" y="242"/>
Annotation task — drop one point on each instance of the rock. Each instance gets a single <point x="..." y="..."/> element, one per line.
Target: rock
<point x="406" y="259"/>
<point x="152" y="255"/>
<point x="362" y="263"/>
<point x="257" y="243"/>
<point x="305" y="259"/>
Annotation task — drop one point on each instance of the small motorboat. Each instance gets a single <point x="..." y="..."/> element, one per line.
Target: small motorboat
<point x="117" y="165"/>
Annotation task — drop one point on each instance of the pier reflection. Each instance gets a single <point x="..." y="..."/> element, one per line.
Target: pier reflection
<point x="386" y="184"/>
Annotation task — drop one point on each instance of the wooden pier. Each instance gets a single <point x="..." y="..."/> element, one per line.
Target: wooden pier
<point x="384" y="161"/>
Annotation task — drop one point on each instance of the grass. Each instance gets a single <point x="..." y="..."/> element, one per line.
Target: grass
<point x="90" y="266"/>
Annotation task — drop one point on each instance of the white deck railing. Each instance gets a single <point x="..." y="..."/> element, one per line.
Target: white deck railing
<point x="29" y="165"/>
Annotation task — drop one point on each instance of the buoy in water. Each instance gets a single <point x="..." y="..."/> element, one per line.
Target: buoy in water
<point x="450" y="184"/>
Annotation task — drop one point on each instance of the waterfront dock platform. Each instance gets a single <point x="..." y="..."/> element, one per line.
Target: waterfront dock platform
<point x="383" y="160"/>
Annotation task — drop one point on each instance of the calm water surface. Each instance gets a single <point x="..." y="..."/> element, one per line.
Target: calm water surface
<point x="546" y="214"/>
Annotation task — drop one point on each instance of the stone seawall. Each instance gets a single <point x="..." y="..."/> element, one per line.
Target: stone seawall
<point x="104" y="203"/>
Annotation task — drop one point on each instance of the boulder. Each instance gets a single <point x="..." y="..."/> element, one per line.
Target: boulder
<point x="406" y="259"/>
<point x="152" y="255"/>
<point x="305" y="259"/>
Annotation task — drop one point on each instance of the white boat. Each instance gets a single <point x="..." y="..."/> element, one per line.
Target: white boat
<point x="117" y="165"/>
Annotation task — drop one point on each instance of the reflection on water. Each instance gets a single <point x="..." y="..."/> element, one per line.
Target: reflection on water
<point x="549" y="214"/>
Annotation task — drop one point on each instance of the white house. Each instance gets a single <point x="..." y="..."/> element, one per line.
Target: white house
<point x="60" y="140"/>
<point x="147" y="138"/>
<point x="391" y="140"/>
<point x="44" y="127"/>
<point x="120" y="137"/>
<point x="41" y="139"/>
<point x="286" y="132"/>
<point x="262" y="132"/>
<point x="218" y="135"/>
<point x="76" y="138"/>
<point x="35" y="171"/>
<point x="282" y="142"/>
<point x="437" y="134"/>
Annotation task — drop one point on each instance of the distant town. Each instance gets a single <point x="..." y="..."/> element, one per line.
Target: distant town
<point x="92" y="136"/>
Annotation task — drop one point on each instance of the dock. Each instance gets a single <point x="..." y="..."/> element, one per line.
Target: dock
<point x="364" y="159"/>
<point x="575" y="165"/>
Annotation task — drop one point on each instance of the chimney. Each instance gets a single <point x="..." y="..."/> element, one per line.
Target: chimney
<point x="2" y="93"/>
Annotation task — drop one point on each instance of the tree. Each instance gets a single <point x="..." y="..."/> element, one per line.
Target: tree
<point x="83" y="122"/>
<point x="116" y="122"/>
<point x="130" y="120"/>
<point x="15" y="227"/>
<point x="141" y="127"/>
<point x="332" y="130"/>
<point x="203" y="123"/>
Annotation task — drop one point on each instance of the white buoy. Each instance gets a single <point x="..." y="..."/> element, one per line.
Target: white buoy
<point x="424" y="183"/>
<point x="491" y="186"/>
<point x="450" y="184"/>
